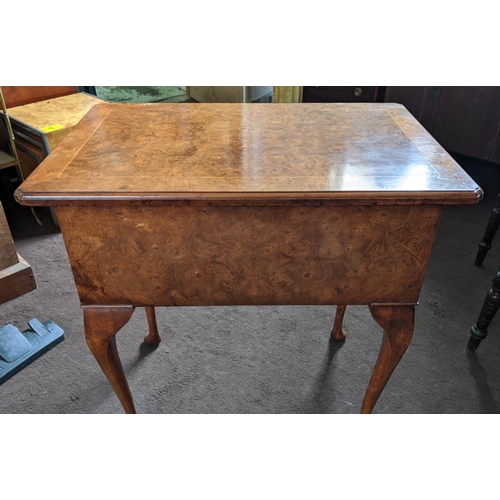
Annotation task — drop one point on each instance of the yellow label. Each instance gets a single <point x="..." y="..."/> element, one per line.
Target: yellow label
<point x="51" y="128"/>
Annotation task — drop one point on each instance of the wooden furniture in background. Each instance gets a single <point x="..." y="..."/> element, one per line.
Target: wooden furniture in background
<point x="479" y="330"/>
<point x="343" y="94"/>
<point x="219" y="94"/>
<point x="8" y="151"/>
<point x="7" y="160"/>
<point x="279" y="204"/>
<point x="287" y="94"/>
<point x="39" y="127"/>
<point x="468" y="121"/>
<point x="421" y="102"/>
<point x="8" y="139"/>
<point x="489" y="234"/>
<point x="19" y="96"/>
<point x="55" y="117"/>
<point x="16" y="276"/>
<point x="464" y="120"/>
<point x="329" y="94"/>
<point x="216" y="94"/>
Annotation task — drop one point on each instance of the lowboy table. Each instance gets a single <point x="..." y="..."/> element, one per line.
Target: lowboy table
<point x="248" y="204"/>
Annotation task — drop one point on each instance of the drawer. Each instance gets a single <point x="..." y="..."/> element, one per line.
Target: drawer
<point x="342" y="94"/>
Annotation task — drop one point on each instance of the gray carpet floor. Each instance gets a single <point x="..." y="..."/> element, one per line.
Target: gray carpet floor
<point x="267" y="359"/>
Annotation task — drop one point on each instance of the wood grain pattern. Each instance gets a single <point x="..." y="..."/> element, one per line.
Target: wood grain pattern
<point x="397" y="320"/>
<point x="16" y="276"/>
<point x="421" y="102"/>
<point x="183" y="255"/>
<point x="468" y="119"/>
<point x="153" y="337"/>
<point x="16" y="280"/>
<point x="463" y="120"/>
<point x="287" y="94"/>
<point x="101" y="326"/>
<point x="338" y="333"/>
<point x="358" y="93"/>
<point x="8" y="254"/>
<point x="243" y="153"/>
<point x="65" y="111"/>
<point x="19" y="96"/>
<point x="30" y="155"/>
<point x="217" y="94"/>
<point x="273" y="204"/>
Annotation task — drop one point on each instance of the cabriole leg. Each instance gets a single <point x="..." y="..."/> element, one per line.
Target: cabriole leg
<point x="397" y="322"/>
<point x="153" y="338"/>
<point x="101" y="326"/>
<point x="338" y="333"/>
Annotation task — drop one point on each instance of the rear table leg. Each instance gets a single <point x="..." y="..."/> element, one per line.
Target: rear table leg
<point x="338" y="333"/>
<point x="153" y="338"/>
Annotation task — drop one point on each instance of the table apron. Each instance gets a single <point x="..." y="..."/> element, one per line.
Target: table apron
<point x="181" y="255"/>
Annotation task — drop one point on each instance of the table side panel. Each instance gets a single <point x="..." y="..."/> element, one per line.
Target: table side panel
<point x="248" y="255"/>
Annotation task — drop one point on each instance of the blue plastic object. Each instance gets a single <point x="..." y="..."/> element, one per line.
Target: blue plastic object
<point x="19" y="349"/>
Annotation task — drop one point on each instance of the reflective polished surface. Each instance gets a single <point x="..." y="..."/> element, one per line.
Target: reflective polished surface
<point x="364" y="153"/>
<point x="248" y="204"/>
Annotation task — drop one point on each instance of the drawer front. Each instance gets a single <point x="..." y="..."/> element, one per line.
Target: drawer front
<point x="342" y="94"/>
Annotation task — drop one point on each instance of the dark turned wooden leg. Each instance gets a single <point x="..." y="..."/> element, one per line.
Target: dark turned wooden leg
<point x="153" y="338"/>
<point x="338" y="333"/>
<point x="488" y="311"/>
<point x="101" y="326"/>
<point x="397" y="322"/>
<point x="491" y="229"/>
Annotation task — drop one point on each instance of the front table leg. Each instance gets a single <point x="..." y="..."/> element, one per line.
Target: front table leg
<point x="101" y="326"/>
<point x="397" y="322"/>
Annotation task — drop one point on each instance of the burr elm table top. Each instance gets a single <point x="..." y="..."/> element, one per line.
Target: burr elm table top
<point x="331" y="153"/>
